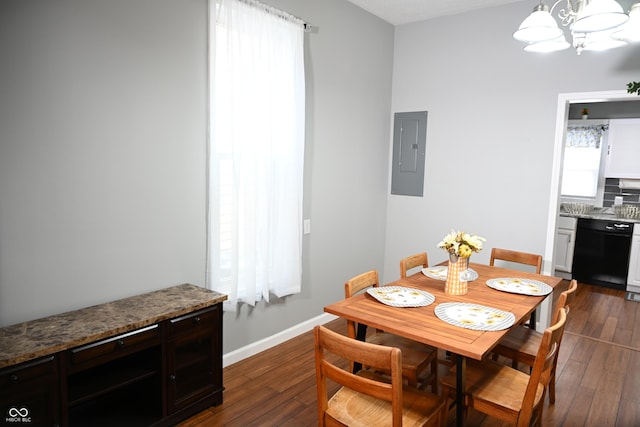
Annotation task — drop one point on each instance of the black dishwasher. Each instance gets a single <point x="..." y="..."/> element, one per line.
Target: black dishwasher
<point x="601" y="253"/>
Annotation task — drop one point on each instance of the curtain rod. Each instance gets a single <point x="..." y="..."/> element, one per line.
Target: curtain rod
<point x="279" y="13"/>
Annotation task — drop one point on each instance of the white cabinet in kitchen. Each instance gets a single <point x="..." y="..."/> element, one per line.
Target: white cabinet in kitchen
<point x="624" y="149"/>
<point x="565" y="238"/>
<point x="633" y="281"/>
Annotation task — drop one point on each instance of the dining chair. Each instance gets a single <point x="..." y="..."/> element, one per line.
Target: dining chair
<point x="413" y="261"/>
<point x="521" y="343"/>
<point x="516" y="257"/>
<point x="505" y="393"/>
<point x="366" y="399"/>
<point x="419" y="361"/>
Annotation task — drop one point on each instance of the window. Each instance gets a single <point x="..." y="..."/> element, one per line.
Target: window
<point x="583" y="171"/>
<point x="256" y="152"/>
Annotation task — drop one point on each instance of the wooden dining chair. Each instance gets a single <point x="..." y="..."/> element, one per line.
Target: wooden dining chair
<point x="419" y="361"/>
<point x="366" y="399"/>
<point x="505" y="393"/>
<point x="521" y="343"/>
<point x="413" y="261"/>
<point x="516" y="257"/>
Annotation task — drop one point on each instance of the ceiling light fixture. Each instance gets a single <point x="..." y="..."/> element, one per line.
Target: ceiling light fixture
<point x="594" y="25"/>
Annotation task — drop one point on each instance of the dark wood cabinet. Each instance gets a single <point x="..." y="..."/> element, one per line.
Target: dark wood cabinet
<point x="29" y="393"/>
<point x="193" y="353"/>
<point x="116" y="381"/>
<point x="156" y="375"/>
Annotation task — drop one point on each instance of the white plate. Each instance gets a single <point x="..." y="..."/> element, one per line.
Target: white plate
<point x="520" y="286"/>
<point x="398" y="296"/>
<point x="439" y="272"/>
<point x="473" y="316"/>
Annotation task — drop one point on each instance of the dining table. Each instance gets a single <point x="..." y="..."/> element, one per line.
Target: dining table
<point x="434" y="323"/>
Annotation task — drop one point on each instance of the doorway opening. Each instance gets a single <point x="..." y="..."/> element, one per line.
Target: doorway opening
<point x="562" y="116"/>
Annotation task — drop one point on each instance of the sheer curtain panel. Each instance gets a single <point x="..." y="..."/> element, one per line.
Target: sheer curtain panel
<point x="256" y="151"/>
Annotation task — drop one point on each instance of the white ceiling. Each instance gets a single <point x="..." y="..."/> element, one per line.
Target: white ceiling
<point x="399" y="12"/>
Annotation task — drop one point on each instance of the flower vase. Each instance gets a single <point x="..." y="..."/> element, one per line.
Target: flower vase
<point x="454" y="284"/>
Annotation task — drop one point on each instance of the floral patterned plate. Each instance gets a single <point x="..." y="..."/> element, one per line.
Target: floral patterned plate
<point x="473" y="316"/>
<point x="439" y="272"/>
<point x="520" y="286"/>
<point x="398" y="296"/>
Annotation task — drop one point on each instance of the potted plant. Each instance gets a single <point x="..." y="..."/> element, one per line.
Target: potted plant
<point x="585" y="113"/>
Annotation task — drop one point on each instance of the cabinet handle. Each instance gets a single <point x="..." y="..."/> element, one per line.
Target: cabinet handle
<point x="172" y="377"/>
<point x="14" y="378"/>
<point x="120" y="343"/>
<point x="196" y="319"/>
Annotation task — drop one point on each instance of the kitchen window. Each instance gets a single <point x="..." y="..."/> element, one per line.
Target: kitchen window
<point x="584" y="159"/>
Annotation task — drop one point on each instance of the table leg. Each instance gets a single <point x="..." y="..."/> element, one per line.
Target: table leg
<point x="532" y="320"/>
<point x="361" y="335"/>
<point x="461" y="367"/>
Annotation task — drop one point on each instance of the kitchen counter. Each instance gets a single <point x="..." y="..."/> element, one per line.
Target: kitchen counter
<point x="49" y="335"/>
<point x="599" y="214"/>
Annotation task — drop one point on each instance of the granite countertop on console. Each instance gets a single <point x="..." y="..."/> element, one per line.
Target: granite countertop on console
<point x="49" y="335"/>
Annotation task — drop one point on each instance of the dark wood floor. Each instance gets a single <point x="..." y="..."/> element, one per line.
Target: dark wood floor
<point x="598" y="374"/>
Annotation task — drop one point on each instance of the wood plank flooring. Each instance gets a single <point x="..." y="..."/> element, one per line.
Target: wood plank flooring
<point x="598" y="380"/>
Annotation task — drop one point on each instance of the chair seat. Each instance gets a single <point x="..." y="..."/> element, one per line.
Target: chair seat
<point x="520" y="344"/>
<point x="495" y="389"/>
<point x="359" y="410"/>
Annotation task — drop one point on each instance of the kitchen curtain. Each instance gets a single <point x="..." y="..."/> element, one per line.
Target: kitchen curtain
<point x="256" y="152"/>
<point x="582" y="161"/>
<point x="585" y="136"/>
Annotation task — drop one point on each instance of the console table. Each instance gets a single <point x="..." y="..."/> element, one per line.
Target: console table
<point x="152" y="359"/>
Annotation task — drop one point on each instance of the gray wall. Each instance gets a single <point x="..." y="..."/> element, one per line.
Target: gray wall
<point x="490" y="137"/>
<point x="103" y="143"/>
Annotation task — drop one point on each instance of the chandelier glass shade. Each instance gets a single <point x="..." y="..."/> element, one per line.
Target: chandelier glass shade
<point x="599" y="15"/>
<point x="630" y="30"/>
<point x="595" y="25"/>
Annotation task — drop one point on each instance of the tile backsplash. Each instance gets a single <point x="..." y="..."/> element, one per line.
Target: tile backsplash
<point x="611" y="190"/>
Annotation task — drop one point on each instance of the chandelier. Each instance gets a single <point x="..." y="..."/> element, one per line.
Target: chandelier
<point x="595" y="25"/>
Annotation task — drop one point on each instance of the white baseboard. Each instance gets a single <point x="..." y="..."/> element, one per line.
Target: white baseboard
<point x="266" y="343"/>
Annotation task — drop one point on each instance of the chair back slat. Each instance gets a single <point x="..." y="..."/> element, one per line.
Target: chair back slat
<point x="360" y="282"/>
<point x="518" y="257"/>
<point x="413" y="261"/>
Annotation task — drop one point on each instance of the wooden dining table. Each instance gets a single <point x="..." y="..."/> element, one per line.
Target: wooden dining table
<point x="421" y="323"/>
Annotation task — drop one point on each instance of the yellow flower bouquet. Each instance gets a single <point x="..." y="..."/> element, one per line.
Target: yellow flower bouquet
<point x="461" y="244"/>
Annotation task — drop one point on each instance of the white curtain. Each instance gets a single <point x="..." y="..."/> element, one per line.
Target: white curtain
<point x="256" y="152"/>
<point x="582" y="159"/>
<point x="585" y="136"/>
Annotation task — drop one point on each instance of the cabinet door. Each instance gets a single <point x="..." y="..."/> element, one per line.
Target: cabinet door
<point x="29" y="393"/>
<point x="634" y="261"/>
<point x="194" y="358"/>
<point x="624" y="149"/>
<point x="564" y="249"/>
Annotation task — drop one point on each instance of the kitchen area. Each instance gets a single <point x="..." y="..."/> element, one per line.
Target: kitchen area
<point x="598" y="229"/>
